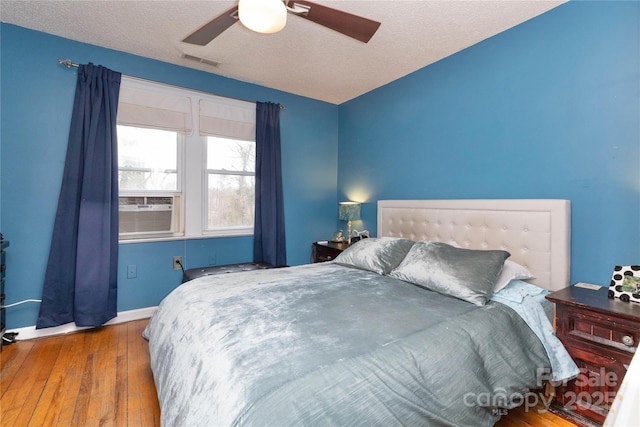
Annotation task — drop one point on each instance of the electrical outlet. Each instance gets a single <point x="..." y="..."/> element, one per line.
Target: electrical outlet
<point x="177" y="263"/>
<point x="132" y="271"/>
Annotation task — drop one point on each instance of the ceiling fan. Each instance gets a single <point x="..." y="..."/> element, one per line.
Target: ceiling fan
<point x="354" y="26"/>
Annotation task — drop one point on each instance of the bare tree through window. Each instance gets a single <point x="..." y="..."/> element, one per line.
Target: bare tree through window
<point x="231" y="183"/>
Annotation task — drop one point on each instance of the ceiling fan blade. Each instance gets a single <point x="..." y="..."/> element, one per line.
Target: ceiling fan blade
<point x="346" y="23"/>
<point x="214" y="28"/>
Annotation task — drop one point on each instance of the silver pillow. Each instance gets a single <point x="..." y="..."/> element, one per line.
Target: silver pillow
<point x="466" y="274"/>
<point x="379" y="255"/>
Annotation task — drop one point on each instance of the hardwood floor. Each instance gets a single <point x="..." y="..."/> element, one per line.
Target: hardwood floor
<point x="95" y="377"/>
<point x="102" y="377"/>
<point x="533" y="417"/>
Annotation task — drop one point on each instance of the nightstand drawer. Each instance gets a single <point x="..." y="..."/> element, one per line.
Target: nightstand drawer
<point x="593" y="391"/>
<point x="618" y="334"/>
<point x="326" y="251"/>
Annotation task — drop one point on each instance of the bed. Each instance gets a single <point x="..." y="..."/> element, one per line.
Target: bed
<point x="389" y="333"/>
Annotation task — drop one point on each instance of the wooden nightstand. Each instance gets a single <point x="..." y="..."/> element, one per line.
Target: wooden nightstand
<point x="326" y="251"/>
<point x="601" y="335"/>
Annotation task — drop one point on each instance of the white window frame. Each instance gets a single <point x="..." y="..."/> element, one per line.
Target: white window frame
<point x="192" y="179"/>
<point x="180" y="140"/>
<point x="177" y="194"/>
<point x="227" y="231"/>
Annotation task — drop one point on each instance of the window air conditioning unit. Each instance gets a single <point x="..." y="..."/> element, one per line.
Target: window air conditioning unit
<point x="141" y="216"/>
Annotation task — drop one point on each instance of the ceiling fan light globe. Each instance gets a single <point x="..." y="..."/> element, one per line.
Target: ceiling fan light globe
<point x="263" y="16"/>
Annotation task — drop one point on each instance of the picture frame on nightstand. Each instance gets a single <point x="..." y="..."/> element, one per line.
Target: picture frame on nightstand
<point x="625" y="283"/>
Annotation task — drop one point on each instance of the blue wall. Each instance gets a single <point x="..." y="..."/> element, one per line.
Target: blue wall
<point x="36" y="104"/>
<point x="548" y="109"/>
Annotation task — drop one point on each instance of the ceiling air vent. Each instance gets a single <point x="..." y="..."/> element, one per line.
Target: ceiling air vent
<point x="200" y="60"/>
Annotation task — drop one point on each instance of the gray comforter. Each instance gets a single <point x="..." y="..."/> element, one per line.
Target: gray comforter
<point x="324" y="344"/>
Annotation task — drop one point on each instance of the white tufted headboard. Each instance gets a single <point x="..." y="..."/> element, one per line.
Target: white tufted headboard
<point x="537" y="232"/>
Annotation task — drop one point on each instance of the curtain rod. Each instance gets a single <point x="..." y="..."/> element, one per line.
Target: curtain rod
<point x="70" y="64"/>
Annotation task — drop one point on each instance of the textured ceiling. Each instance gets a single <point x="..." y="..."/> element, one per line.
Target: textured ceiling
<point x="305" y="58"/>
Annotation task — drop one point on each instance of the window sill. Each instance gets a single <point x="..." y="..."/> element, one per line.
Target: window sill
<point x="174" y="238"/>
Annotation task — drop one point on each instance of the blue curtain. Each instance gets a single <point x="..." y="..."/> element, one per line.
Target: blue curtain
<point x="269" y="237"/>
<point x="81" y="278"/>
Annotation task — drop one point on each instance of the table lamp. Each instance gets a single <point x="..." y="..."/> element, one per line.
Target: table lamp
<point x="349" y="211"/>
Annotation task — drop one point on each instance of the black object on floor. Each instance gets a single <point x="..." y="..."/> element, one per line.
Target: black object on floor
<point x="8" y="338"/>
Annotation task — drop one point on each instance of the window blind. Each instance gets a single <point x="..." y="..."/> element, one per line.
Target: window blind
<point x="145" y="107"/>
<point x="228" y="118"/>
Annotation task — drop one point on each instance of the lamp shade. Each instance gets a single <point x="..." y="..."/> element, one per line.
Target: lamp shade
<point x="349" y="211"/>
<point x="263" y="16"/>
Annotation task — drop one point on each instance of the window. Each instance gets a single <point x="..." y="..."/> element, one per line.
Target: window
<point x="147" y="159"/>
<point x="186" y="163"/>
<point x="149" y="182"/>
<point x="230" y="183"/>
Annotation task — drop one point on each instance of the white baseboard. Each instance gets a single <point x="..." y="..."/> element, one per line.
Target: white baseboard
<point x="30" y="332"/>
